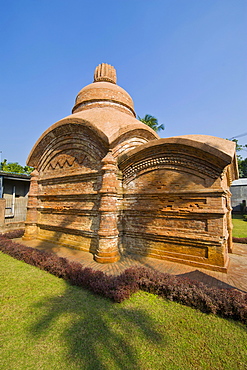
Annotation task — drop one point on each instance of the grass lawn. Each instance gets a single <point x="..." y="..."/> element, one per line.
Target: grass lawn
<point x="239" y="226"/>
<point x="48" y="324"/>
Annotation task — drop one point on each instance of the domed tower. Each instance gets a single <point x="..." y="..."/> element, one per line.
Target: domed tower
<point x="111" y="109"/>
<point x="104" y="92"/>
<point x="76" y="186"/>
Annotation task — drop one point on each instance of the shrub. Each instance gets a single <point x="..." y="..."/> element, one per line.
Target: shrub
<point x="239" y="240"/>
<point x="13" y="234"/>
<point x="227" y="303"/>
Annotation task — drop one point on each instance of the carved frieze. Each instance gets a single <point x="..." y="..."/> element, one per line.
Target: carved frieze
<point x="70" y="160"/>
<point x="171" y="161"/>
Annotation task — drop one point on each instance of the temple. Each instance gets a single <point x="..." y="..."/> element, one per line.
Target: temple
<point x="105" y="183"/>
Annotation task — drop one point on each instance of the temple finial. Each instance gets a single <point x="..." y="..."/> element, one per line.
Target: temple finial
<point x="105" y="72"/>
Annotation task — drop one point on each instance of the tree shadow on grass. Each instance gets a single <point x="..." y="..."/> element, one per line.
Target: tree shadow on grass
<point x="98" y="334"/>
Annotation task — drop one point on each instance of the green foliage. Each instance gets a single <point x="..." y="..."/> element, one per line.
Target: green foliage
<point x="152" y="122"/>
<point x="242" y="163"/>
<point x="239" y="226"/>
<point x="15" y="167"/>
<point x="239" y="147"/>
<point x="227" y="303"/>
<point x="242" y="167"/>
<point x="48" y="324"/>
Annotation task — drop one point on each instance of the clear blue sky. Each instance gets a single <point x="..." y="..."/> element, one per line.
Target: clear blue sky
<point x="183" y="61"/>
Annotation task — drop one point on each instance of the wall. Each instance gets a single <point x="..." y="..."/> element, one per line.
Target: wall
<point x="176" y="205"/>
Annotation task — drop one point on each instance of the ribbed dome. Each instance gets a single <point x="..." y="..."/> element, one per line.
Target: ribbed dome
<point x="104" y="92"/>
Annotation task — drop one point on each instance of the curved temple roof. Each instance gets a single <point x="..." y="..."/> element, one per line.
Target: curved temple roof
<point x="104" y="108"/>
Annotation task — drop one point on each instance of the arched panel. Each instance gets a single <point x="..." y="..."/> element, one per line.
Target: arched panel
<point x="130" y="138"/>
<point x="67" y="135"/>
<point x="74" y="153"/>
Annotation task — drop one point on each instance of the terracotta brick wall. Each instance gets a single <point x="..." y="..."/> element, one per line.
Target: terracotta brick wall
<point x="175" y="206"/>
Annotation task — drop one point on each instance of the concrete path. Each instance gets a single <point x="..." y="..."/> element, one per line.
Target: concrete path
<point x="236" y="276"/>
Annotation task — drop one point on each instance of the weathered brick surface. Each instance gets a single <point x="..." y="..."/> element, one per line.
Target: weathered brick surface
<point x="176" y="203"/>
<point x="105" y="183"/>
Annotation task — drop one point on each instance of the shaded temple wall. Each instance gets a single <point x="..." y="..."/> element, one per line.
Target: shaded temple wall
<point x="176" y="204"/>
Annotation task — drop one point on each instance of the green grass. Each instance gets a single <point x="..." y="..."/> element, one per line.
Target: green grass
<point x="48" y="324"/>
<point x="239" y="227"/>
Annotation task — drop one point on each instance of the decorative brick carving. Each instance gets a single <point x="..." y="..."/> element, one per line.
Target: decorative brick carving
<point x="105" y="72"/>
<point x="178" y="162"/>
<point x="68" y="160"/>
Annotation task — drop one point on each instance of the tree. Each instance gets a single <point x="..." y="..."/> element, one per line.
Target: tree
<point x="15" y="167"/>
<point x="242" y="163"/>
<point x="242" y="167"/>
<point x="152" y="122"/>
<point x="239" y="147"/>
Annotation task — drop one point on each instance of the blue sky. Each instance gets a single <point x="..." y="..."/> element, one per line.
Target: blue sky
<point x="183" y="61"/>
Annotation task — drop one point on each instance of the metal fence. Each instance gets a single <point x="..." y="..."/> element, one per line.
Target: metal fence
<point x="16" y="210"/>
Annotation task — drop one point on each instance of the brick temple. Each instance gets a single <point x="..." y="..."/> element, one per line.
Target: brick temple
<point x="105" y="183"/>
